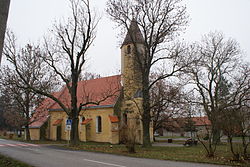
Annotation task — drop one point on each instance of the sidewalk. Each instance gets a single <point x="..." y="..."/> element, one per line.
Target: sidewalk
<point x="166" y="144"/>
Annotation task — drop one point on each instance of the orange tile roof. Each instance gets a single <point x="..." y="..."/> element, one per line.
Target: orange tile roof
<point x="90" y="90"/>
<point x="180" y="122"/>
<point x="93" y="90"/>
<point x="41" y="115"/>
<point x="201" y="121"/>
<point x="86" y="121"/>
<point x="57" y="122"/>
<point x="113" y="119"/>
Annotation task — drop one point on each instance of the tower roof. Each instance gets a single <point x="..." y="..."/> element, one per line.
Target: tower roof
<point x="134" y="34"/>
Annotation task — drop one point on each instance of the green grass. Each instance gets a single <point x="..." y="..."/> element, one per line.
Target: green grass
<point x="187" y="154"/>
<point x="14" y="137"/>
<point x="9" y="162"/>
<point x="21" y="139"/>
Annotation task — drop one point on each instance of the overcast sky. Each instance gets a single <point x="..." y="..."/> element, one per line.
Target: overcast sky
<point x="30" y="20"/>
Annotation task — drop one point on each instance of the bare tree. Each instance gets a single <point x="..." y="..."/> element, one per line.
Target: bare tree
<point x="71" y="42"/>
<point x="217" y="61"/>
<point x="89" y="75"/>
<point x="244" y="129"/>
<point x="160" y="21"/>
<point x="4" y="12"/>
<point x="10" y="116"/>
<point x="65" y="55"/>
<point x="30" y="66"/>
<point x="167" y="102"/>
<point x="235" y="118"/>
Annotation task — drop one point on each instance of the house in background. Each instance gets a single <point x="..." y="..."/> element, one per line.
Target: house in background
<point x="186" y="127"/>
<point x="116" y="118"/>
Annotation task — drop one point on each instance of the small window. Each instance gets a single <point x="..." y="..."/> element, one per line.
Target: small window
<point x="125" y="119"/>
<point x="98" y="124"/>
<point x="83" y="119"/>
<point x="128" y="49"/>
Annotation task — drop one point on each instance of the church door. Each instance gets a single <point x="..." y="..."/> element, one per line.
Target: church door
<point x="58" y="132"/>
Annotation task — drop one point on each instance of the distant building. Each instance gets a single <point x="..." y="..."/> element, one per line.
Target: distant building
<point x="178" y="126"/>
<point x="115" y="118"/>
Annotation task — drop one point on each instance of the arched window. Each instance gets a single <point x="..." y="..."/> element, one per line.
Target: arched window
<point x="83" y="119"/>
<point x="128" y="49"/>
<point x="98" y="124"/>
<point x="125" y="119"/>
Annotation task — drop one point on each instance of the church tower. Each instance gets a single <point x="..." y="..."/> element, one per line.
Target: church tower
<point x="132" y="51"/>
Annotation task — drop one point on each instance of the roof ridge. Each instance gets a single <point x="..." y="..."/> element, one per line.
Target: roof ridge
<point x="101" y="78"/>
<point x="61" y="93"/>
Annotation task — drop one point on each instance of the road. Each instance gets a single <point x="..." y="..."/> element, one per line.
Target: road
<point x="51" y="156"/>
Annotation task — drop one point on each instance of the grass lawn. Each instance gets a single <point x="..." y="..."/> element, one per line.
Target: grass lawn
<point x="9" y="162"/>
<point x="188" y="154"/>
<point x="21" y="139"/>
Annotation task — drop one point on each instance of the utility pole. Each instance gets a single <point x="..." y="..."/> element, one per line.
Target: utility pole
<point x="4" y="11"/>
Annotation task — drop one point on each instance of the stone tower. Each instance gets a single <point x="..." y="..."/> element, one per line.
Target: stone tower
<point x="132" y="49"/>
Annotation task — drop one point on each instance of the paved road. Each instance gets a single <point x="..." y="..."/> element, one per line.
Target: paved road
<point x="49" y="156"/>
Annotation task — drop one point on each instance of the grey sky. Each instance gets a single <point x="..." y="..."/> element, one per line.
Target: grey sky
<point x="30" y="20"/>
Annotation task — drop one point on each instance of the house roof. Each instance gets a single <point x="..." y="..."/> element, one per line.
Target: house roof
<point x="86" y="121"/>
<point x="41" y="115"/>
<point x="177" y="123"/>
<point x="134" y="34"/>
<point x="201" y="121"/>
<point x="113" y="119"/>
<point x="105" y="90"/>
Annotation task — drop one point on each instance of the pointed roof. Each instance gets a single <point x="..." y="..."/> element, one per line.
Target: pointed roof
<point x="134" y="34"/>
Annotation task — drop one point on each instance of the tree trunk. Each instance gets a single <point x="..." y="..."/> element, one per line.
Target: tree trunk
<point x="146" y="117"/>
<point x="74" y="132"/>
<point x="74" y="111"/>
<point x="27" y="132"/>
<point x="235" y="155"/>
<point x="245" y="146"/>
<point x="210" y="149"/>
<point x="216" y="135"/>
<point x="27" y="114"/>
<point x="4" y="11"/>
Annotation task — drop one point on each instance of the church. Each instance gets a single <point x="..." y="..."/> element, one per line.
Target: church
<point x="116" y="118"/>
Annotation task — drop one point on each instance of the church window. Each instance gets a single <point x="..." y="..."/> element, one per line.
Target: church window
<point x="125" y="119"/>
<point x="128" y="49"/>
<point x="83" y="118"/>
<point x="98" y="124"/>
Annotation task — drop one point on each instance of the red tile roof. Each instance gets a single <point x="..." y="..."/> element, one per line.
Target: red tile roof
<point x="106" y="89"/>
<point x="41" y="115"/>
<point x="201" y="121"/>
<point x="86" y="121"/>
<point x="177" y="123"/>
<point x="93" y="90"/>
<point x="113" y="119"/>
